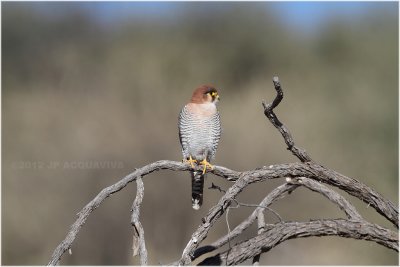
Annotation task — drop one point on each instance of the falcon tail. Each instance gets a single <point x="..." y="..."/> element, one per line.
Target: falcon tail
<point x="197" y="189"/>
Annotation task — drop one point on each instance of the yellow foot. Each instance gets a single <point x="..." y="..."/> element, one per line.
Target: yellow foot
<point x="206" y="164"/>
<point x="190" y="161"/>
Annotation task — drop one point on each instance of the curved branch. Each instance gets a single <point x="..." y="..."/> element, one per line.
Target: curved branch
<point x="340" y="201"/>
<point x="212" y="216"/>
<point x="276" y="194"/>
<point x="106" y="192"/>
<point x="289" y="230"/>
<point x="310" y="170"/>
<point x="319" y="173"/>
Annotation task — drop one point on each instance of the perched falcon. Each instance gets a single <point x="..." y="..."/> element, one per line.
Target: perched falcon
<point x="199" y="133"/>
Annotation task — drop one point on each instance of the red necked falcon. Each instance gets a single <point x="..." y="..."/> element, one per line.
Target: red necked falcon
<point x="199" y="133"/>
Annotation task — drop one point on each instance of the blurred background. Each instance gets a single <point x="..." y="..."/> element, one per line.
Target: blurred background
<point x="91" y="91"/>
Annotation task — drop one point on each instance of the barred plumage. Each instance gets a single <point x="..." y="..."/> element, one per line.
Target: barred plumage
<point x="199" y="134"/>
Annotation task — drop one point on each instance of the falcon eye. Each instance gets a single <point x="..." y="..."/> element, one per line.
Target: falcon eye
<point x="212" y="94"/>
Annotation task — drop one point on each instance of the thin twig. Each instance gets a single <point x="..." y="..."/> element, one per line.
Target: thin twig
<point x="138" y="244"/>
<point x="240" y="204"/>
<point x="213" y="186"/>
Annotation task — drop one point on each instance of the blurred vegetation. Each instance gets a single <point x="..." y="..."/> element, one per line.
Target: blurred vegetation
<point x="77" y="90"/>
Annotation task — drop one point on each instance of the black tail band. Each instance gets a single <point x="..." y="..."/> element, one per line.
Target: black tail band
<point x="197" y="189"/>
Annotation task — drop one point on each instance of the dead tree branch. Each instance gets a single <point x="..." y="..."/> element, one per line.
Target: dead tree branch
<point x="334" y="197"/>
<point x="300" y="153"/>
<point x="106" y="192"/>
<point x="307" y="173"/>
<point x="260" y="230"/>
<point x="138" y="244"/>
<point x="330" y="177"/>
<point x="216" y="212"/>
<point x="293" y="170"/>
<point x="278" y="193"/>
<point x="281" y="232"/>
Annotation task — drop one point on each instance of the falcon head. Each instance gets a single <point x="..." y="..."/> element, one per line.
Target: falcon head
<point x="205" y="94"/>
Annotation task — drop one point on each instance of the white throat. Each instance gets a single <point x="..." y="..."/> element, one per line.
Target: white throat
<point x="210" y="106"/>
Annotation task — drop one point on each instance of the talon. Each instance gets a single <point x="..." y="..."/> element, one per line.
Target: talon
<point x="190" y="161"/>
<point x="206" y="164"/>
<point x="204" y="169"/>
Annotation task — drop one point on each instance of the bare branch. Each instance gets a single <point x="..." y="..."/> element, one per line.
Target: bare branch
<point x="351" y="186"/>
<point x="138" y="245"/>
<point x="343" y="204"/>
<point x="309" y="170"/>
<point x="319" y="173"/>
<point x="106" y="192"/>
<point x="278" y="193"/>
<point x="289" y="230"/>
<point x="207" y="222"/>
<point x="260" y="228"/>
<point x="256" y="176"/>
<point x="269" y="112"/>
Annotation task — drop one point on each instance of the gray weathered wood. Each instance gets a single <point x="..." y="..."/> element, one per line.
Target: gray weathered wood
<point x="138" y="241"/>
<point x="281" y="232"/>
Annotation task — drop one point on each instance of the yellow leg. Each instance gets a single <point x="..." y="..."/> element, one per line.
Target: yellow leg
<point x="190" y="161"/>
<point x="206" y="164"/>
